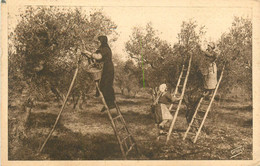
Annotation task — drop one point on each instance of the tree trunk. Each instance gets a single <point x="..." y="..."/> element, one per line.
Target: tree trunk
<point x="24" y="122"/>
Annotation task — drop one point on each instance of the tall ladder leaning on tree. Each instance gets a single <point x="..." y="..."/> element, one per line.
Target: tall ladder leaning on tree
<point x="201" y="113"/>
<point x="181" y="85"/>
<point x="125" y="139"/>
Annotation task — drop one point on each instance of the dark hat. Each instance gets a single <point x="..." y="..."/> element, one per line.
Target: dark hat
<point x="102" y="39"/>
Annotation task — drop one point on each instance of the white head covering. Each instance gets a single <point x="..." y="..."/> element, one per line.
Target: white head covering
<point x="163" y="87"/>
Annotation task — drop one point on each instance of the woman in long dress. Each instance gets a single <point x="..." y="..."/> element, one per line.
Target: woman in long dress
<point x="107" y="77"/>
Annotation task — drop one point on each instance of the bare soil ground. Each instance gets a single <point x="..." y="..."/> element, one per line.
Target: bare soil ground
<point x="87" y="134"/>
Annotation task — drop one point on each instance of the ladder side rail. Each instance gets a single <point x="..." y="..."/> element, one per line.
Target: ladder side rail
<point x="178" y="83"/>
<point x="126" y="127"/>
<point x="179" y="80"/>
<point x="173" y="121"/>
<point x="125" y="143"/>
<point x="122" y="118"/>
<point x="211" y="101"/>
<point x="112" y="121"/>
<point x="130" y="148"/>
<point x="179" y="105"/>
<point x="61" y="110"/>
<point x="187" y="76"/>
<point x="193" y="117"/>
<point x="131" y="138"/>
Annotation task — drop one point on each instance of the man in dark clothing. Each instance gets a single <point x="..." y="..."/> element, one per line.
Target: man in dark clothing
<point x="107" y="78"/>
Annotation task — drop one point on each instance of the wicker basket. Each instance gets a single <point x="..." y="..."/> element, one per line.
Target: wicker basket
<point x="95" y="72"/>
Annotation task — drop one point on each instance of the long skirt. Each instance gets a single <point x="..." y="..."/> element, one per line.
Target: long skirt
<point x="106" y="85"/>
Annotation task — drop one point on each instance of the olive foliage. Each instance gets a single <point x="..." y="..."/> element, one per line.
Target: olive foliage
<point x="46" y="44"/>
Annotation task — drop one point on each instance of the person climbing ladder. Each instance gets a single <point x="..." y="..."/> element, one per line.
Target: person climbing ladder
<point x="104" y="55"/>
<point x="208" y="69"/>
<point x="106" y="92"/>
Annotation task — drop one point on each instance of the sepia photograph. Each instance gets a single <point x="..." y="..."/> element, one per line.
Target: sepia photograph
<point x="101" y="82"/>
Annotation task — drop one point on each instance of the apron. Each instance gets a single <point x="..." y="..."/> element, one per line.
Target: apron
<point x="210" y="80"/>
<point x="161" y="112"/>
<point x="166" y="115"/>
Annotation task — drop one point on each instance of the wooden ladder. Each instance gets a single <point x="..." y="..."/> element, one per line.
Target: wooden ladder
<point x="181" y="85"/>
<point x="201" y="114"/>
<point x="125" y="139"/>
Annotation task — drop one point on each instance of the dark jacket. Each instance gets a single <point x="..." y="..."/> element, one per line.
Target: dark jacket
<point x="156" y="109"/>
<point x="167" y="99"/>
<point x="107" y="79"/>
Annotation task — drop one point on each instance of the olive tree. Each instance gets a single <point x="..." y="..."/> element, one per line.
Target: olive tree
<point x="43" y="53"/>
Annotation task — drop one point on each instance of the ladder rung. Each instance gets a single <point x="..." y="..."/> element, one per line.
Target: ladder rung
<point x="120" y="125"/>
<point x="191" y="133"/>
<point x="116" y="117"/>
<point x="125" y="138"/>
<point x="172" y="110"/>
<point x="198" y="118"/>
<point x="205" y="102"/>
<point x="122" y="129"/>
<point x="131" y="147"/>
<point x="201" y="111"/>
<point x="126" y="146"/>
<point x="194" y="125"/>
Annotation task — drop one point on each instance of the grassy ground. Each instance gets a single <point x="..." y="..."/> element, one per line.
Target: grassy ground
<point x="87" y="134"/>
